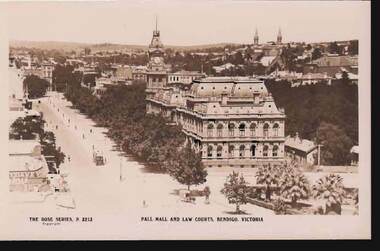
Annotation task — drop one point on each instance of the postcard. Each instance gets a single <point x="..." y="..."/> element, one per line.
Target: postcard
<point x="167" y="120"/>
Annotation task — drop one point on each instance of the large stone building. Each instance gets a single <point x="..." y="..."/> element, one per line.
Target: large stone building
<point x="232" y="121"/>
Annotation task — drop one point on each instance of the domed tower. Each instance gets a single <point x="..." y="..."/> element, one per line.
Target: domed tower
<point x="279" y="37"/>
<point x="256" y="38"/>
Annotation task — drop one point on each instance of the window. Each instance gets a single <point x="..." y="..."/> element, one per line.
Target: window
<point x="210" y="130"/>
<point x="220" y="130"/>
<point x="219" y="150"/>
<point x="265" y="151"/>
<point x="252" y="128"/>
<point x="231" y="129"/>
<point x="242" y="129"/>
<point x="274" y="151"/>
<point x="209" y="151"/>
<point x="231" y="150"/>
<point x="266" y="127"/>
<point x="253" y="150"/>
<point x="241" y="151"/>
<point x="275" y="130"/>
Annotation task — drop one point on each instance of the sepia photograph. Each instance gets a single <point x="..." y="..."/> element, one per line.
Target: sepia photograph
<point x="186" y="120"/>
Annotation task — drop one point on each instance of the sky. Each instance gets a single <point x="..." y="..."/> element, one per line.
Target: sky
<point x="184" y="22"/>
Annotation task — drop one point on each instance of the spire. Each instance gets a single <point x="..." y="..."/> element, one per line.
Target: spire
<point x="156" y="23"/>
<point x="279" y="36"/>
<point x="256" y="37"/>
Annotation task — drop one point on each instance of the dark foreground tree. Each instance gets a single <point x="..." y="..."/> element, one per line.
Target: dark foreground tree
<point x="187" y="169"/>
<point x="36" y="86"/>
<point x="236" y="190"/>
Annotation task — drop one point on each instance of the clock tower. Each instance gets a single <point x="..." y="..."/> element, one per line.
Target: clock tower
<point x="157" y="70"/>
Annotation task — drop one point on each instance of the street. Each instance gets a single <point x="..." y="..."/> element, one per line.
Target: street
<point x="100" y="188"/>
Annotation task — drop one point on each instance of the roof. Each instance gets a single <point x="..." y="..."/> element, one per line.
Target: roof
<point x="187" y="73"/>
<point x="21" y="147"/>
<point x="335" y="60"/>
<point x="297" y="143"/>
<point x="26" y="163"/>
<point x="232" y="86"/>
<point x="355" y="149"/>
<point x="267" y="60"/>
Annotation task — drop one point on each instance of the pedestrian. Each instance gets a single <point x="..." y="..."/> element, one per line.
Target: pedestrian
<point x="69" y="158"/>
<point x="90" y="130"/>
<point x="207" y="193"/>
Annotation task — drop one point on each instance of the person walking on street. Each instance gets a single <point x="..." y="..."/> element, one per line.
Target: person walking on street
<point x="207" y="193"/>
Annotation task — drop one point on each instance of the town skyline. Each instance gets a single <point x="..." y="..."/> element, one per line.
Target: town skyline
<point x="178" y="26"/>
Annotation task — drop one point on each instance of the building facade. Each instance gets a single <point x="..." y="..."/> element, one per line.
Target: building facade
<point x="231" y="121"/>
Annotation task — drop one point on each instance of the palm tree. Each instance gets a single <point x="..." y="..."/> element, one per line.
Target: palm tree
<point x="294" y="186"/>
<point x="330" y="189"/>
<point x="268" y="175"/>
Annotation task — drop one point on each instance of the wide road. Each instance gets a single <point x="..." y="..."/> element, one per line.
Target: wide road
<point x="99" y="188"/>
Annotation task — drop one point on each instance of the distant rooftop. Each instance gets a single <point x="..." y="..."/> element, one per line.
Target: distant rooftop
<point x="228" y="80"/>
<point x="303" y="145"/>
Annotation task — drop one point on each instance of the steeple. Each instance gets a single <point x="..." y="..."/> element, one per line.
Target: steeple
<point x="279" y="36"/>
<point x="156" y="23"/>
<point x="256" y="38"/>
<point x="156" y="32"/>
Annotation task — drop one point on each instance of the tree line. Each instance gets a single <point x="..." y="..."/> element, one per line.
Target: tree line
<point x="326" y="114"/>
<point x="148" y="137"/>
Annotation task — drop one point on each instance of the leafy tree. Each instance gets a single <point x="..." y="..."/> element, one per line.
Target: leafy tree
<point x="188" y="170"/>
<point x="36" y="86"/>
<point x="330" y="189"/>
<point x="336" y="144"/>
<point x="236" y="190"/>
<point x="26" y="128"/>
<point x="334" y="48"/>
<point x="307" y="107"/>
<point x="316" y="54"/>
<point x="353" y="48"/>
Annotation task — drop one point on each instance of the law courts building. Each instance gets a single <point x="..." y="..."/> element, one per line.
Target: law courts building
<point x="232" y="121"/>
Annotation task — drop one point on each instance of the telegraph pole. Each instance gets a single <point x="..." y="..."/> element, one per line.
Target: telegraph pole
<point x="319" y="154"/>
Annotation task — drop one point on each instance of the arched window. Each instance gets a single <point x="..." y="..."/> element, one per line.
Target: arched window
<point x="242" y="129"/>
<point x="220" y="130"/>
<point x="241" y="151"/>
<point x="209" y="151"/>
<point x="253" y="150"/>
<point x="275" y="130"/>
<point x="210" y="130"/>
<point x="231" y="129"/>
<point x="265" y="151"/>
<point x="231" y="150"/>
<point x="252" y="128"/>
<point x="266" y="128"/>
<point x="219" y="150"/>
<point x="274" y="151"/>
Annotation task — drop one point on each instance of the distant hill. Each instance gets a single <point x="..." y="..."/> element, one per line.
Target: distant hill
<point x="73" y="46"/>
